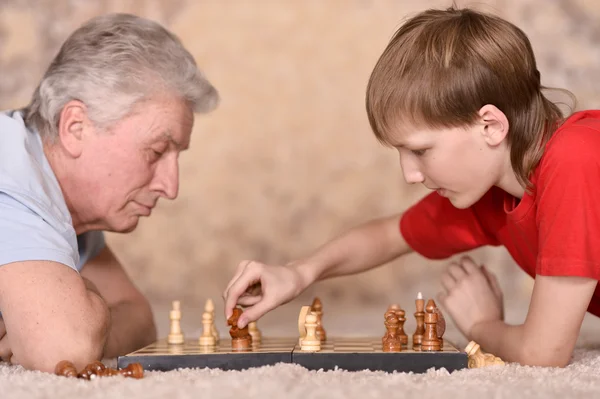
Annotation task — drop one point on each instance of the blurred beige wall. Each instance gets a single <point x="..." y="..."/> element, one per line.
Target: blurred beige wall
<point x="288" y="159"/>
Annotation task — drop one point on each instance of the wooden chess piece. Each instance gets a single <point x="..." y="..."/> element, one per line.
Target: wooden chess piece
<point x="401" y="320"/>
<point x="66" y="369"/>
<point x="240" y="337"/>
<point x="304" y="310"/>
<point x="175" y="336"/>
<point x="311" y="343"/>
<point x="430" y="341"/>
<point x="477" y="358"/>
<point x="441" y="323"/>
<point x="420" y="318"/>
<point x="92" y="370"/>
<point x="207" y="338"/>
<point x="133" y="370"/>
<point x="254" y="333"/>
<point x="391" y="341"/>
<point x="210" y="307"/>
<point x="317" y="307"/>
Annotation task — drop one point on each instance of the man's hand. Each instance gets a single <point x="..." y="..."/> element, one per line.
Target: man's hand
<point x="262" y="288"/>
<point x="472" y="295"/>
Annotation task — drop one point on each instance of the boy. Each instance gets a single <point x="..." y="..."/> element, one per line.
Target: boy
<point x="458" y="95"/>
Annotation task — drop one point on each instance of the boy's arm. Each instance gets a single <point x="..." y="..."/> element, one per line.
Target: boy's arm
<point x="549" y="334"/>
<point x="132" y="323"/>
<point x="264" y="287"/>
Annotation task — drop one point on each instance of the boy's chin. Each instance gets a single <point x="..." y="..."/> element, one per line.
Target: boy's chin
<point x="461" y="201"/>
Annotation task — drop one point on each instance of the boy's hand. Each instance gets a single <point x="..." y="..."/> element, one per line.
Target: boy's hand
<point x="5" y="352"/>
<point x="472" y="295"/>
<point x="262" y="288"/>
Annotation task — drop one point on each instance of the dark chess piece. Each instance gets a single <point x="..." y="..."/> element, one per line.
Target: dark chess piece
<point x="240" y="337"/>
<point x="391" y="341"/>
<point x="66" y="369"/>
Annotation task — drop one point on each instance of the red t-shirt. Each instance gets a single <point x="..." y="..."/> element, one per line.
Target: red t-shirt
<point x="552" y="231"/>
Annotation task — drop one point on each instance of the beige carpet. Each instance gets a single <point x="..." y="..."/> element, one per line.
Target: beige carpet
<point x="581" y="379"/>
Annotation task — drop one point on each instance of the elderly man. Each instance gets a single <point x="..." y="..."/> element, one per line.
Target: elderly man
<point x="94" y="151"/>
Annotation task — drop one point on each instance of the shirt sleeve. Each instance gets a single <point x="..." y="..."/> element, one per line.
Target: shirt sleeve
<point x="26" y="236"/>
<point x="436" y="229"/>
<point x="90" y="244"/>
<point x="568" y="209"/>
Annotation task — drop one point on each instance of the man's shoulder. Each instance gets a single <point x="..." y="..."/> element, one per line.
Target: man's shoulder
<point x="25" y="174"/>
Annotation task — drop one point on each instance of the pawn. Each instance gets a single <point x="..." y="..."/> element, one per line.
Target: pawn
<point x="66" y="369"/>
<point x="391" y="341"/>
<point x="175" y="335"/>
<point x="254" y="333"/>
<point x="240" y="338"/>
<point x="317" y="307"/>
<point x="210" y="307"/>
<point x="92" y="370"/>
<point x="207" y="338"/>
<point x="401" y="320"/>
<point x="477" y="358"/>
<point x="430" y="341"/>
<point x="311" y="343"/>
<point x="133" y="370"/>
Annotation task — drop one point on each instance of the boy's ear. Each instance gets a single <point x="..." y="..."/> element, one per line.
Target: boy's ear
<point x="494" y="123"/>
<point x="71" y="127"/>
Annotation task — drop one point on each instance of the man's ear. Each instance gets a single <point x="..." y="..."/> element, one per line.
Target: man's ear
<point x="71" y="127"/>
<point x="495" y="124"/>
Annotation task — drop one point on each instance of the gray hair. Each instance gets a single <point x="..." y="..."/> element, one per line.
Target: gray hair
<point x="111" y="63"/>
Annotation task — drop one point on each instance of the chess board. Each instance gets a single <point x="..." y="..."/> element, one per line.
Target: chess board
<point x="352" y="354"/>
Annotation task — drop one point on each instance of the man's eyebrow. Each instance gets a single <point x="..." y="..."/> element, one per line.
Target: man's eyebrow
<point x="167" y="136"/>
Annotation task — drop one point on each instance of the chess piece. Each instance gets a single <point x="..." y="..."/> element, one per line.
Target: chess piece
<point x="391" y="341"/>
<point x="430" y="341"/>
<point x="175" y="336"/>
<point x="254" y="332"/>
<point x="240" y="338"/>
<point x="207" y="338"/>
<point x="477" y="358"/>
<point x="92" y="370"/>
<point x="401" y="320"/>
<point x="420" y="318"/>
<point x="317" y="307"/>
<point x="66" y="369"/>
<point x="311" y="343"/>
<point x="304" y="310"/>
<point x="210" y="307"/>
<point x="441" y="322"/>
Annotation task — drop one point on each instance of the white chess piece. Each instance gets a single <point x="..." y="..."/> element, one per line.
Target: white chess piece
<point x="207" y="338"/>
<point x="254" y="332"/>
<point x="210" y="307"/>
<point x="311" y="343"/>
<point x="176" y="335"/>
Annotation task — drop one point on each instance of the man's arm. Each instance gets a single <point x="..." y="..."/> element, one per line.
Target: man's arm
<point x="50" y="315"/>
<point x="550" y="331"/>
<point x="132" y="323"/>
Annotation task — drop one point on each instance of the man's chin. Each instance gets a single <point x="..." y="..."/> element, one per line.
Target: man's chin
<point x="126" y="226"/>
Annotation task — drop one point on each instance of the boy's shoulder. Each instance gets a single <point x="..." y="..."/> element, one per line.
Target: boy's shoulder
<point x="577" y="138"/>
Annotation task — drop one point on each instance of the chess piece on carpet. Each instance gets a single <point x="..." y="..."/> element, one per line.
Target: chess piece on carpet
<point x="240" y="337"/>
<point x="311" y="343"/>
<point x="207" y="338"/>
<point x="97" y="369"/>
<point x="477" y="358"/>
<point x="254" y="332"/>
<point x="391" y="342"/>
<point x="420" y="318"/>
<point x="210" y="307"/>
<point x="317" y="307"/>
<point x="430" y="341"/>
<point x="175" y="336"/>
<point x="66" y="369"/>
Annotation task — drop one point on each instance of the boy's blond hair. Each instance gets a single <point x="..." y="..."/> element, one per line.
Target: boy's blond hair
<point x="442" y="66"/>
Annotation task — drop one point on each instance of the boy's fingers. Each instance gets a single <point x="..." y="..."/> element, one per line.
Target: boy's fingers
<point x="468" y="265"/>
<point x="448" y="282"/>
<point x="246" y="279"/>
<point x="253" y="313"/>
<point x="238" y="272"/>
<point x="249" y="300"/>
<point x="456" y="271"/>
<point x="493" y="280"/>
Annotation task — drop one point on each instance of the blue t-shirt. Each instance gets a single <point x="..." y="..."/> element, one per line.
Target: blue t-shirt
<point x="35" y="223"/>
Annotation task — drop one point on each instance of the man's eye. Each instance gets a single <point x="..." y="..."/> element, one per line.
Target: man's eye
<point x="418" y="152"/>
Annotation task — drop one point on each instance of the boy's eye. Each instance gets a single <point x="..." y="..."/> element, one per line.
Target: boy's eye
<point x="418" y="152"/>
